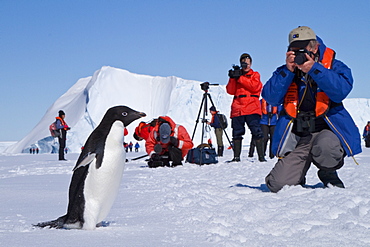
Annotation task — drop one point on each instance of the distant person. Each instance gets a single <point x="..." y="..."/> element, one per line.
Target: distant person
<point x="63" y="128"/>
<point x="245" y="85"/>
<point x="137" y="146"/>
<point x="167" y="142"/>
<point x="270" y="115"/>
<point x="366" y="135"/>
<point x="216" y="124"/>
<point x="37" y="150"/>
<point x="130" y="146"/>
<point x="314" y="126"/>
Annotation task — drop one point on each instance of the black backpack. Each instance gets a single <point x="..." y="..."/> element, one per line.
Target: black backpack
<point x="223" y="120"/>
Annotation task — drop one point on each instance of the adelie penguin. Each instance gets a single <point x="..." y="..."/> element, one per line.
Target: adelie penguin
<point x="98" y="172"/>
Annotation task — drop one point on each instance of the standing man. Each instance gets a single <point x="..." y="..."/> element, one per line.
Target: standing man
<point x="245" y="85"/>
<point x="137" y="146"/>
<point x="216" y="124"/>
<point x="270" y="114"/>
<point x="366" y="135"/>
<point x="314" y="126"/>
<point x="62" y="127"/>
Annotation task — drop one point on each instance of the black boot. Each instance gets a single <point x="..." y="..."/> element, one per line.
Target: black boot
<point x="251" y="149"/>
<point x="330" y="177"/>
<point x="260" y="150"/>
<point x="220" y="151"/>
<point x="237" y="151"/>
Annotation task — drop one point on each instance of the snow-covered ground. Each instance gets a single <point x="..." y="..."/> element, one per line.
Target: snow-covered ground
<point x="213" y="205"/>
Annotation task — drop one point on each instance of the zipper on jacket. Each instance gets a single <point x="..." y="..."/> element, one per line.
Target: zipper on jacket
<point x="282" y="139"/>
<point x="344" y="140"/>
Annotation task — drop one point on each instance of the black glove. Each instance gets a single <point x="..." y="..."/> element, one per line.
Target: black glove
<point x="231" y="74"/>
<point x="158" y="148"/>
<point x="174" y="141"/>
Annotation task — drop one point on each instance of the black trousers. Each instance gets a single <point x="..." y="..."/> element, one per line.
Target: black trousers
<point x="62" y="144"/>
<point x="268" y="133"/>
<point x="367" y="141"/>
<point x="253" y="123"/>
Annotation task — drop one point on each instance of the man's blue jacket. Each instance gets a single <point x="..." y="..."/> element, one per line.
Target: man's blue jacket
<point x="336" y="82"/>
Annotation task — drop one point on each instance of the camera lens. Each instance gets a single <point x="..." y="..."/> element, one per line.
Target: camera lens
<point x="300" y="58"/>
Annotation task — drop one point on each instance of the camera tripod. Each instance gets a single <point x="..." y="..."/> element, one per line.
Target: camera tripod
<point x="204" y="106"/>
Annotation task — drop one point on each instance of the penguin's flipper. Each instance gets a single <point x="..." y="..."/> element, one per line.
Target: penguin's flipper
<point x="86" y="161"/>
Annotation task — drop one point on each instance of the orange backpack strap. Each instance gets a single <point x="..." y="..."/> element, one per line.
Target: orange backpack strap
<point x="291" y="100"/>
<point x="322" y="100"/>
<point x="322" y="104"/>
<point x="274" y="110"/>
<point x="264" y="106"/>
<point x="328" y="58"/>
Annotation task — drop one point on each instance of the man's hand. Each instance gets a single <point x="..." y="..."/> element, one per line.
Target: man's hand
<point x="306" y="66"/>
<point x="158" y="148"/>
<point x="174" y="141"/>
<point x="290" y="64"/>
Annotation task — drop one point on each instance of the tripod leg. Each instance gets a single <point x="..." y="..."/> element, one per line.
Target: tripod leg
<point x="197" y="120"/>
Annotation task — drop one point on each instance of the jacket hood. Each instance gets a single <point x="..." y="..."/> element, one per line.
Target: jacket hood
<point x="167" y="119"/>
<point x="322" y="47"/>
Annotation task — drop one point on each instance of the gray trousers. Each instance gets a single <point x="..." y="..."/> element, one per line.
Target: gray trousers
<point x="219" y="132"/>
<point x="323" y="149"/>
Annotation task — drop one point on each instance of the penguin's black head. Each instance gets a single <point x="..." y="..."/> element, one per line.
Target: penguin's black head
<point x="124" y="114"/>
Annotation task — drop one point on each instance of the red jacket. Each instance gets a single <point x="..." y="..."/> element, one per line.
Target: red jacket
<point x="246" y="90"/>
<point x="178" y="131"/>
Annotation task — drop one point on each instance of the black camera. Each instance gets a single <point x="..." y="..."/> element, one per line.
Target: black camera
<point x="237" y="71"/>
<point x="300" y="56"/>
<point x="204" y="120"/>
<point x="205" y="85"/>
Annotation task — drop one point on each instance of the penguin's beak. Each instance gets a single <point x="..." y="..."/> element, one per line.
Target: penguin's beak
<point x="142" y="114"/>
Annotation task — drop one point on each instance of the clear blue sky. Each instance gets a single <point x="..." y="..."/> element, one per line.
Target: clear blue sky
<point x="46" y="46"/>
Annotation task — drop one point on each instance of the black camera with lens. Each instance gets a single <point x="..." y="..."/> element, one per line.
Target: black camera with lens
<point x="237" y="71"/>
<point x="204" y="120"/>
<point x="300" y="56"/>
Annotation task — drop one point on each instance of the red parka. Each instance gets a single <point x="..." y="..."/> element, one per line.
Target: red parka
<point x="246" y="90"/>
<point x="177" y="131"/>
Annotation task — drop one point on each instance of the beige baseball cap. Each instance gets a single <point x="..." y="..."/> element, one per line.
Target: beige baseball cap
<point x="301" y="36"/>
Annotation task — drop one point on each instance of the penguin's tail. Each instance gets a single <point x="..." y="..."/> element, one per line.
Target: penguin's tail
<point x="58" y="223"/>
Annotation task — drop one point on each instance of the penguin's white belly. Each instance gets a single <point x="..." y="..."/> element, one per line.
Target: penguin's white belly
<point x="102" y="184"/>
